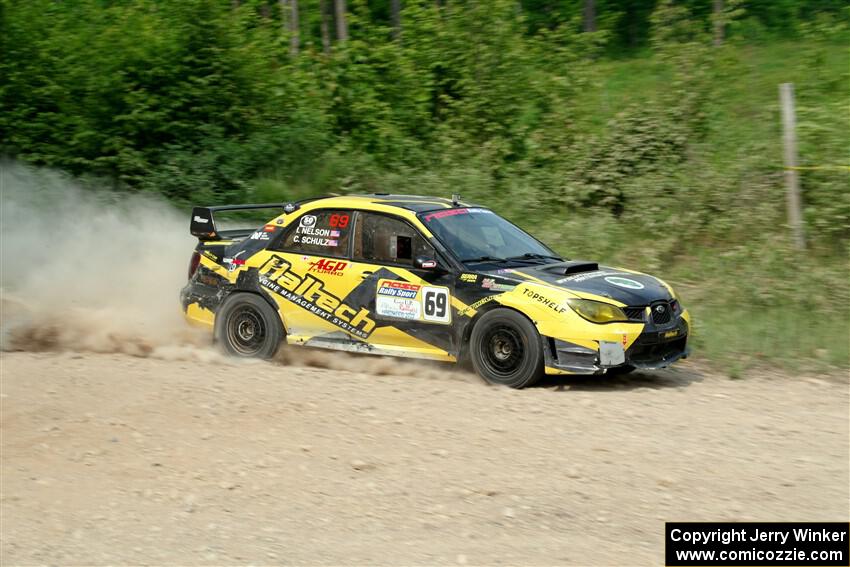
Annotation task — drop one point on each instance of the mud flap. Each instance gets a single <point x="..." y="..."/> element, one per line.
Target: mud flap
<point x="611" y="354"/>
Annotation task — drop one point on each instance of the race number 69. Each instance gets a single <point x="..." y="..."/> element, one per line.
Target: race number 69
<point x="436" y="306"/>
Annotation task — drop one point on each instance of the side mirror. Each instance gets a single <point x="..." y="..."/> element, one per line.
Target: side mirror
<point x="424" y="263"/>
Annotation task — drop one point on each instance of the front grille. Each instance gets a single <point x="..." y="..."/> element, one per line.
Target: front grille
<point x="662" y="312"/>
<point x="668" y="310"/>
<point x="634" y="313"/>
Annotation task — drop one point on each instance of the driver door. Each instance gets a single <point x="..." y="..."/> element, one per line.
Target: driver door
<point x="411" y="306"/>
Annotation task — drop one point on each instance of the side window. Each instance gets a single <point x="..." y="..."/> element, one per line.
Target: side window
<point x="324" y="233"/>
<point x="386" y="240"/>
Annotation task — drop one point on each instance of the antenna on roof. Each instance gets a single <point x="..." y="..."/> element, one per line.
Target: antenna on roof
<point x="456" y="200"/>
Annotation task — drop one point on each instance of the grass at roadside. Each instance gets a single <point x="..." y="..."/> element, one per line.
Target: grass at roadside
<point x="738" y="337"/>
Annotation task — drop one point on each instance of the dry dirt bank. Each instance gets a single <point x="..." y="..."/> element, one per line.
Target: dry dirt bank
<point x="116" y="459"/>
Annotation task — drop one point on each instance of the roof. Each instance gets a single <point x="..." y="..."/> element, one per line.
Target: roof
<point x="414" y="203"/>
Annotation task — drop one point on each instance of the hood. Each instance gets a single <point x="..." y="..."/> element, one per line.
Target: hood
<point x="629" y="288"/>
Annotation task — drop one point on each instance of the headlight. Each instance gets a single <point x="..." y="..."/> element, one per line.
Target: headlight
<point x="596" y="311"/>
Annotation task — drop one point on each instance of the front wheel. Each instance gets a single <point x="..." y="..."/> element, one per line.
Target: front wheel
<point x="246" y="326"/>
<point x="505" y="349"/>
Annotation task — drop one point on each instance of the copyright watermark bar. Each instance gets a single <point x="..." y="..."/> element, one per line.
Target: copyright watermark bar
<point x="763" y="544"/>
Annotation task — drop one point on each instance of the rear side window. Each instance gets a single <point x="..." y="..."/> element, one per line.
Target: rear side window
<point x="386" y="240"/>
<point x="321" y="233"/>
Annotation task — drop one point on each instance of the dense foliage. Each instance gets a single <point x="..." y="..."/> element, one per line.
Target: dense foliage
<point x="648" y="141"/>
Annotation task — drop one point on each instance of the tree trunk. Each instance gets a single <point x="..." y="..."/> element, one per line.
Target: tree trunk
<point x="589" y="15"/>
<point x="283" y="5"/>
<point x="326" y="33"/>
<point x="719" y="24"/>
<point x="294" y="29"/>
<point x="395" y="7"/>
<point x="341" y="23"/>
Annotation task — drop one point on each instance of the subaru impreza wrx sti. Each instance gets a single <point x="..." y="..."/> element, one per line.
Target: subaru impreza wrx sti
<point x="424" y="277"/>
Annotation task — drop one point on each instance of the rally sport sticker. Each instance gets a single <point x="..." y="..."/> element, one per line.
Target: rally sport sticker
<point x="414" y="302"/>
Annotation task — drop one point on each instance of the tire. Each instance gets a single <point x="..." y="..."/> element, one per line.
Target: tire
<point x="505" y="349"/>
<point x="246" y="326"/>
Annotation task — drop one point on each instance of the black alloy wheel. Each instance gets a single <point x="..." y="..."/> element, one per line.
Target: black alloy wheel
<point x="505" y="349"/>
<point x="247" y="326"/>
<point x="246" y="330"/>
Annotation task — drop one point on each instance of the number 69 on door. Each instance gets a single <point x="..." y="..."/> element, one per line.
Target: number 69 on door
<point x="436" y="304"/>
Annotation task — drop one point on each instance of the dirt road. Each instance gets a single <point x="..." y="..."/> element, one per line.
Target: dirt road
<point x="123" y="460"/>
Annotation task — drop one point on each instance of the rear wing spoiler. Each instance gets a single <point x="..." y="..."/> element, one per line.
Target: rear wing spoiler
<point x="202" y="223"/>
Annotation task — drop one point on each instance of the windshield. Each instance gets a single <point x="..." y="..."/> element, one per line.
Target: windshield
<point x="480" y="235"/>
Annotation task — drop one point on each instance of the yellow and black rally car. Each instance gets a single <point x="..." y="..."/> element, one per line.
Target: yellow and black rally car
<point x="424" y="277"/>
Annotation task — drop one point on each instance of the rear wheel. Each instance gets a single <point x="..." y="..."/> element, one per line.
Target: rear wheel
<point x="246" y="326"/>
<point x="505" y="349"/>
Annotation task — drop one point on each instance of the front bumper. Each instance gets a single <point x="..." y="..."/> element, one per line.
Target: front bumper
<point x="656" y="347"/>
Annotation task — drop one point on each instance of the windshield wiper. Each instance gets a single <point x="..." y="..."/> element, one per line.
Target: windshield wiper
<point x="483" y="259"/>
<point x="527" y="257"/>
<point x="535" y="256"/>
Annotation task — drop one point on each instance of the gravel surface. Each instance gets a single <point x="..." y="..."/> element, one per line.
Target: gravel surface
<point x="114" y="459"/>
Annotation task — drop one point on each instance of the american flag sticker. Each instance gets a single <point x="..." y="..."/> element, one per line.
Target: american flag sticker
<point x="335" y="233"/>
<point x="333" y="242"/>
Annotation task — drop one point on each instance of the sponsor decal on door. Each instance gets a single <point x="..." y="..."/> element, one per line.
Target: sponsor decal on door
<point x="310" y="294"/>
<point x="413" y="302"/>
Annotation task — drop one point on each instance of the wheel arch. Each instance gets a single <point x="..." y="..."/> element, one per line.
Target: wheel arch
<point x="486" y="308"/>
<point x="522" y="372"/>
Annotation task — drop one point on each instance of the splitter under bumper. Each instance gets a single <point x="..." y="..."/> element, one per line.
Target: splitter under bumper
<point x="653" y="349"/>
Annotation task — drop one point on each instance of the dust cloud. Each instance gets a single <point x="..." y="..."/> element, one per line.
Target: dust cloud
<point x="90" y="269"/>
